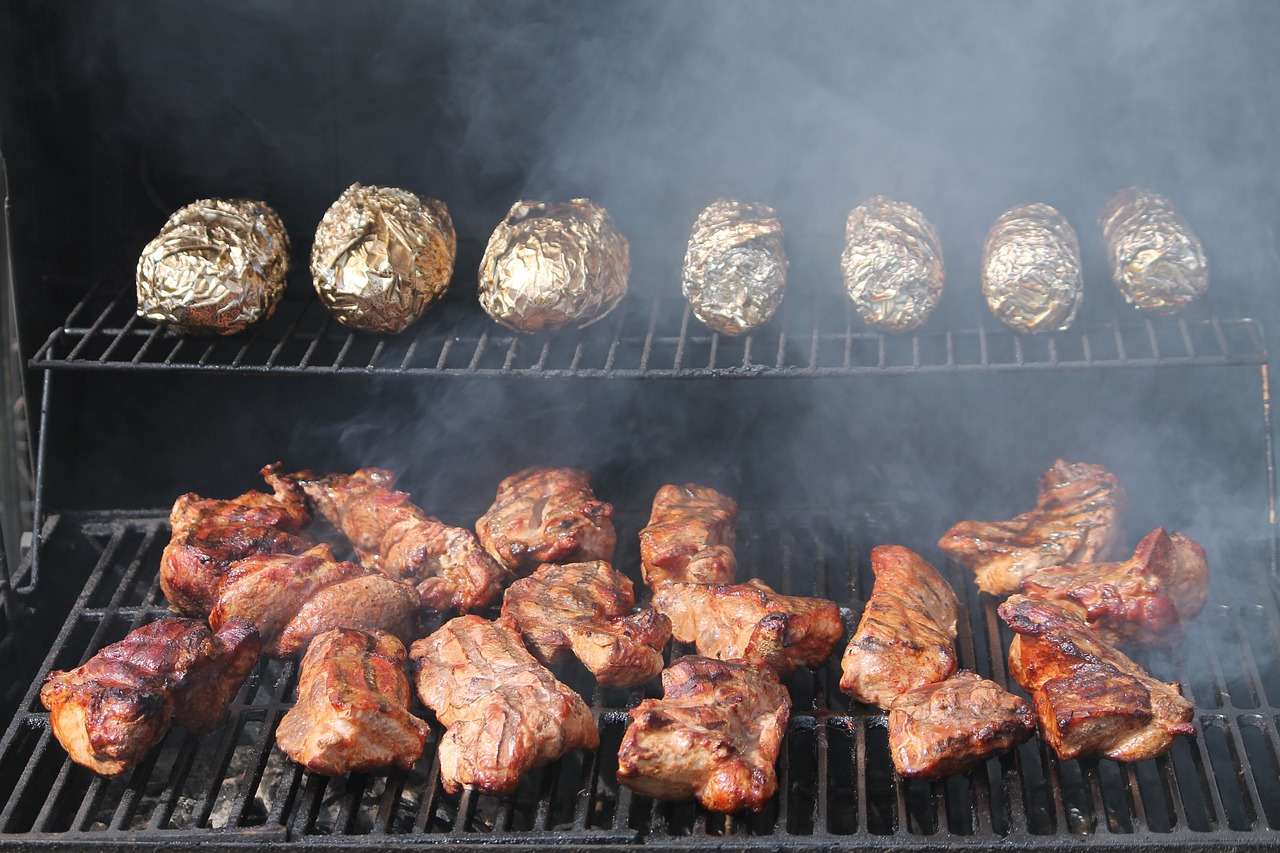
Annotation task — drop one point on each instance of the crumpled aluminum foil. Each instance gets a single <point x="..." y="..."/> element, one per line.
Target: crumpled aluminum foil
<point x="735" y="269"/>
<point x="1156" y="259"/>
<point x="382" y="256"/>
<point x="549" y="265"/>
<point x="217" y="267"/>
<point x="892" y="264"/>
<point x="1031" y="269"/>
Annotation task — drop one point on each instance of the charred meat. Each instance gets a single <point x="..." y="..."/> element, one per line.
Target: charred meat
<point x="547" y="515"/>
<point x="447" y="564"/>
<point x="1090" y="698"/>
<point x="907" y="636"/>
<point x="109" y="712"/>
<point x="1076" y="520"/>
<point x="293" y="598"/>
<point x="504" y="711"/>
<point x="715" y="736"/>
<point x="209" y="535"/>
<point x="1148" y="598"/>
<point x="352" y="712"/>
<point x="586" y="610"/>
<point x="749" y="621"/>
<point x="939" y="729"/>
<point x="690" y="537"/>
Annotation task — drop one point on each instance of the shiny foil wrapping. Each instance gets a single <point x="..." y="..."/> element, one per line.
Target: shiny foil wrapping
<point x="1156" y="259"/>
<point x="892" y="264"/>
<point x="217" y="267"/>
<point x="735" y="269"/>
<point x="1031" y="269"/>
<point x="549" y="265"/>
<point x="382" y="257"/>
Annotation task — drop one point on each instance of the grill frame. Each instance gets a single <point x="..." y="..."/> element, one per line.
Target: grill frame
<point x="121" y="591"/>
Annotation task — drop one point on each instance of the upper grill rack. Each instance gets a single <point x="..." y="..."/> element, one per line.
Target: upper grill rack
<point x="646" y="337"/>
<point x="233" y="789"/>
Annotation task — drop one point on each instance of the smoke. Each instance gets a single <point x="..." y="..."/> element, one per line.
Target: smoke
<point x="654" y="110"/>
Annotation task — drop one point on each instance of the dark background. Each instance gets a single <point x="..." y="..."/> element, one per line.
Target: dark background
<point x="115" y="114"/>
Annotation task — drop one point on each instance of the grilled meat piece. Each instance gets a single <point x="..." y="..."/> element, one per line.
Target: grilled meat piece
<point x="1148" y="598"/>
<point x="547" y="515"/>
<point x="1090" y="698"/>
<point x="939" y="729"/>
<point x="109" y="712"/>
<point x="504" y="711"/>
<point x="714" y="735"/>
<point x="585" y="609"/>
<point x="690" y="537"/>
<point x="749" y="621"/>
<point x="209" y="535"/>
<point x="1076" y="520"/>
<point x="352" y="712"/>
<point x="907" y="634"/>
<point x="293" y="598"/>
<point x="390" y="534"/>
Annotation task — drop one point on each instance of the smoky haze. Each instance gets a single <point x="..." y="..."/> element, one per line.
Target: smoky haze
<point x="656" y="109"/>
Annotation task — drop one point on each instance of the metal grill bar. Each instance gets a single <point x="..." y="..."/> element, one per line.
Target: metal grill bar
<point x="233" y="788"/>
<point x="813" y="335"/>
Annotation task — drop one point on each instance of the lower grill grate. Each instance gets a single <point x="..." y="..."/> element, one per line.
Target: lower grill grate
<point x="233" y="789"/>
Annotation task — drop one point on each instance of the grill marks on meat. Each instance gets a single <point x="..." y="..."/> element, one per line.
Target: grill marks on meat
<point x="715" y="735"/>
<point x="907" y="634"/>
<point x="209" y="535"/>
<point x="547" y="515"/>
<point x="1148" y="598"/>
<point x="939" y="729"/>
<point x="447" y="564"/>
<point x="352" y="712"/>
<point x="690" y="537"/>
<point x="504" y="711"/>
<point x="293" y="598"/>
<point x="1090" y="698"/>
<point x="585" y="609"/>
<point x="751" y="622"/>
<point x="109" y="712"/>
<point x="1076" y="520"/>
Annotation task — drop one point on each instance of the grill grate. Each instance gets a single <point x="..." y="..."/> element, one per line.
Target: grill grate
<point x="654" y="337"/>
<point x="233" y="789"/>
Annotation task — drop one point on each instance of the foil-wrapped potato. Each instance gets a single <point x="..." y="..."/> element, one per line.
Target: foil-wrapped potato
<point x="382" y="256"/>
<point x="1156" y="259"/>
<point x="735" y="269"/>
<point x="549" y="265"/>
<point x="217" y="267"/>
<point x="1031" y="269"/>
<point x="892" y="264"/>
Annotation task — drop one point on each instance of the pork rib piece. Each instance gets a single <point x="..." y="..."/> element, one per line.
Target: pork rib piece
<point x="585" y="610"/>
<point x="940" y="729"/>
<point x="547" y="515"/>
<point x="690" y="537"/>
<point x="293" y="598"/>
<point x="1148" y="598"/>
<point x="715" y="735"/>
<point x="504" y="711"/>
<point x="1076" y="520"/>
<point x="109" y="712"/>
<point x="1090" y="698"/>
<point x="352" y="712"/>
<point x="908" y="630"/>
<point x="750" y="621"/>
<point x="209" y="535"/>
<point x="447" y="564"/>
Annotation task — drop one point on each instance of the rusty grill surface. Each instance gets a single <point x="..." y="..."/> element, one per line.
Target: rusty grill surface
<point x="233" y="789"/>
<point x="648" y="336"/>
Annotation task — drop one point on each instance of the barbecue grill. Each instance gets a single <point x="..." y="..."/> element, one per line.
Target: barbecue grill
<point x="833" y="436"/>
